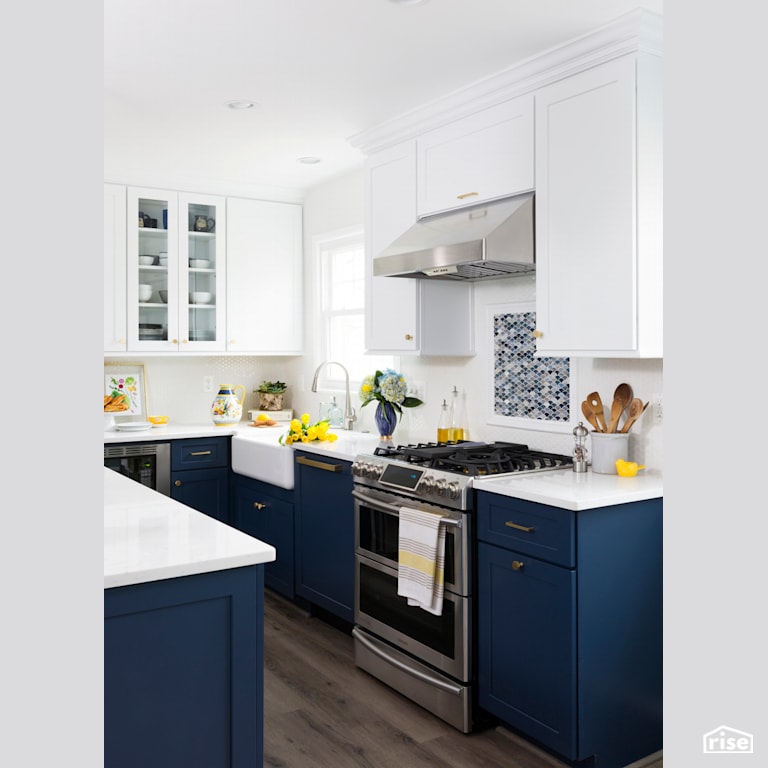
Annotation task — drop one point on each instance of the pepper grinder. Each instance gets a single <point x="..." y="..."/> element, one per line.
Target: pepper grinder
<point x="579" y="449"/>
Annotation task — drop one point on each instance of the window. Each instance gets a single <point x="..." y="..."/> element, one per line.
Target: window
<point x="341" y="262"/>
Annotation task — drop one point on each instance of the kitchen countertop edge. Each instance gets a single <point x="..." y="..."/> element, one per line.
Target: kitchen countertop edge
<point x="576" y="491"/>
<point x="151" y="537"/>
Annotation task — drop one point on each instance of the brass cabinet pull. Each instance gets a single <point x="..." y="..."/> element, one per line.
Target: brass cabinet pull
<point x="200" y="453"/>
<point x="538" y="334"/>
<point x="517" y="565"/>
<point x="525" y="528"/>
<point x="259" y="505"/>
<point x="319" y="464"/>
<point x="466" y="194"/>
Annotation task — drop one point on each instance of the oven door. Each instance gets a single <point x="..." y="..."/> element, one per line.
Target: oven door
<point x="377" y="534"/>
<point x="441" y="641"/>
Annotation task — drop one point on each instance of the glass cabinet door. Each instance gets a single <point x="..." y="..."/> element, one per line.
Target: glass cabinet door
<point x="201" y="272"/>
<point x="152" y="285"/>
<point x="176" y="278"/>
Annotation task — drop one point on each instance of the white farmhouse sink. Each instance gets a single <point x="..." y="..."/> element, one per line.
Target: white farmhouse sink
<point x="257" y="454"/>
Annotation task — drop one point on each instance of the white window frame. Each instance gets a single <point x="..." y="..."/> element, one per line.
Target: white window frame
<point x="331" y="377"/>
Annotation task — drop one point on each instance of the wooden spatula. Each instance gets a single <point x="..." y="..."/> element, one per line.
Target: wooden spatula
<point x="636" y="410"/>
<point x="586" y="409"/>
<point x="593" y="398"/>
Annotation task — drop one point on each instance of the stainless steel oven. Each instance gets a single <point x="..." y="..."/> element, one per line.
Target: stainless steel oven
<point x="441" y="641"/>
<point x="428" y="658"/>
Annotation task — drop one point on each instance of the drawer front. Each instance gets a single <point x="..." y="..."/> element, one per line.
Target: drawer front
<point x="548" y="533"/>
<point x="200" y="453"/>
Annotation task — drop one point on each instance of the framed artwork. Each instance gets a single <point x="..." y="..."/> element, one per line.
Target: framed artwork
<point x="128" y="380"/>
<point x="526" y="391"/>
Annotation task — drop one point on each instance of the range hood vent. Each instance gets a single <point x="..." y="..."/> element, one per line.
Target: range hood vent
<point x="479" y="243"/>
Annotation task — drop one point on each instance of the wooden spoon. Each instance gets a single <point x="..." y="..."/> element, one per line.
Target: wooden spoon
<point x="586" y="409"/>
<point x="636" y="410"/>
<point x="622" y="397"/>
<point x="593" y="398"/>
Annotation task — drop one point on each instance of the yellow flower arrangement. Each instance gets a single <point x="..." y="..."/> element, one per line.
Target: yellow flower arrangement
<point x="301" y="431"/>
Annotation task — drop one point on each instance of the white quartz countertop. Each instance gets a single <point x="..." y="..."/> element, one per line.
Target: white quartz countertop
<point x="149" y="536"/>
<point x="171" y="432"/>
<point x="571" y="490"/>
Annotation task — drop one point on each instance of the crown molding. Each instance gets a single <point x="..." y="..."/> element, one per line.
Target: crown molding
<point x="639" y="31"/>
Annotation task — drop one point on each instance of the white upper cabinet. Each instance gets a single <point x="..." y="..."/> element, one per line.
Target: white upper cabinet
<point x="264" y="282"/>
<point x="482" y="157"/>
<point x="405" y="315"/>
<point x="175" y="271"/>
<point x="599" y="211"/>
<point x="392" y="304"/>
<point x="115" y="327"/>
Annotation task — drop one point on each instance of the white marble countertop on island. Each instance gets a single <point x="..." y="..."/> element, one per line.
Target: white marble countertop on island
<point x="576" y="491"/>
<point x="149" y="537"/>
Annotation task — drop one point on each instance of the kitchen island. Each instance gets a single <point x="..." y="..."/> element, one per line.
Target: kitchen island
<point x="183" y="634"/>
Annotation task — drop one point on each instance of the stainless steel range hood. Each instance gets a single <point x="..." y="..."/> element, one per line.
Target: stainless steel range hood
<point x="478" y="243"/>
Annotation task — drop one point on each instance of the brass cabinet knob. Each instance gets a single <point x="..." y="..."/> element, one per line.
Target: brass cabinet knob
<point x="259" y="505"/>
<point x="184" y="341"/>
<point x="408" y="337"/>
<point x="174" y="341"/>
<point x="517" y="565"/>
<point x="538" y="334"/>
<point x="177" y="483"/>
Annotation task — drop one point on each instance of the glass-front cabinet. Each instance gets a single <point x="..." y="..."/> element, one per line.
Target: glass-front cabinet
<point x="175" y="266"/>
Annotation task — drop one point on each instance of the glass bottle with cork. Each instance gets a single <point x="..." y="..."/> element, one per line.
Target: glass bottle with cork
<point x="443" y="425"/>
<point x="457" y="430"/>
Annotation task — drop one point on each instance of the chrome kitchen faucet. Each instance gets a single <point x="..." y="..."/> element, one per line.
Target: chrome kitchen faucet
<point x="349" y="412"/>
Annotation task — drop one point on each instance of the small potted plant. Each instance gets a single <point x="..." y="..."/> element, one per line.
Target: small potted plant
<point x="271" y="395"/>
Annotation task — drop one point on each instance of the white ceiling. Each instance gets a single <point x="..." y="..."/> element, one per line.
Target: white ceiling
<point x="320" y="72"/>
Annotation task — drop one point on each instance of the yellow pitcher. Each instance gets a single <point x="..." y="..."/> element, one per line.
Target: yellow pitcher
<point x="227" y="408"/>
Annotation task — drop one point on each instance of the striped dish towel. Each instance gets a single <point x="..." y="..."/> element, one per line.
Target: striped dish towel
<point x="421" y="559"/>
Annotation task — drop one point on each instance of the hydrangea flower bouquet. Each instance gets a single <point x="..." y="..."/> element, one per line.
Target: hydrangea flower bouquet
<point x="389" y="389"/>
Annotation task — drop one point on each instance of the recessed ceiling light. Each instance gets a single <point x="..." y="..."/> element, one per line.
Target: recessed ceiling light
<point x="241" y="104"/>
<point x="407" y="2"/>
<point x="309" y="160"/>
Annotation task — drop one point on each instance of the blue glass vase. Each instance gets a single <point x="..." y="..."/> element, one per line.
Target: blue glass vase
<point x="386" y="420"/>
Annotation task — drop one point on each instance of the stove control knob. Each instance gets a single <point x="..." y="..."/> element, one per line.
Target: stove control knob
<point x="440" y="486"/>
<point x="376" y="471"/>
<point x="369" y="469"/>
<point x="428" y="484"/>
<point x="453" y="490"/>
<point x="357" y="468"/>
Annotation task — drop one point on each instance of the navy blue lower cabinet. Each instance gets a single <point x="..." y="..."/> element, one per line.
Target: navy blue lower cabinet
<point x="570" y="626"/>
<point x="527" y="636"/>
<point x="183" y="672"/>
<point x="325" y="533"/>
<point x="265" y="512"/>
<point x="200" y="475"/>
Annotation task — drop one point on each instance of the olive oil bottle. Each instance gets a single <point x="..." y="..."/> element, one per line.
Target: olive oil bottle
<point x="456" y="429"/>
<point x="443" y="425"/>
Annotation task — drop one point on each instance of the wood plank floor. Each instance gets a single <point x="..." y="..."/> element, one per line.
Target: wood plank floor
<point x="321" y="711"/>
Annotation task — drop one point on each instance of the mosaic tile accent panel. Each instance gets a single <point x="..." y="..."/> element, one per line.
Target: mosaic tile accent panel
<point x="525" y="386"/>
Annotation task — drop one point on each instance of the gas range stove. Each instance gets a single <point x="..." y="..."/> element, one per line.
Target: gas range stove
<point x="444" y="472"/>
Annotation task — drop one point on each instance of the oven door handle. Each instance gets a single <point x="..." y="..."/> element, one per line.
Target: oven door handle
<point x="374" y="648"/>
<point x="390" y="509"/>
